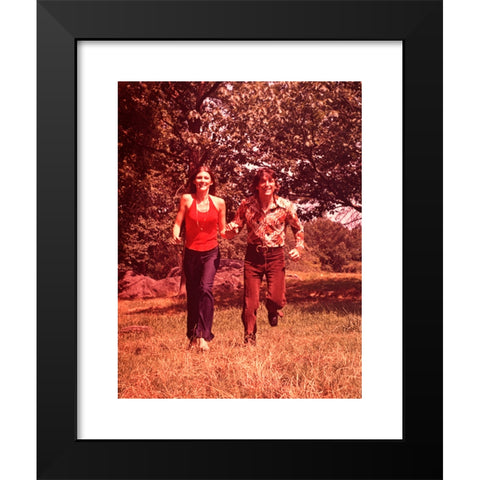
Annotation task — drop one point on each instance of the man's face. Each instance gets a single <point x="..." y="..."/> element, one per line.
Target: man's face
<point x="267" y="185"/>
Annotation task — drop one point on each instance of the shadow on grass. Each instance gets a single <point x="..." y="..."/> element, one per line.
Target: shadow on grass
<point x="176" y="308"/>
<point x="342" y="295"/>
<point x="320" y="307"/>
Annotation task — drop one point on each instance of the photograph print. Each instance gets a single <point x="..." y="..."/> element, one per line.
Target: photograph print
<point x="240" y="240"/>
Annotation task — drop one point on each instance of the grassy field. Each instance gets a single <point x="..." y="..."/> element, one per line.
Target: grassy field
<point x="314" y="352"/>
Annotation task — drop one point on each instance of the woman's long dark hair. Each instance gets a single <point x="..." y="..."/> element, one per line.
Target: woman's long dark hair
<point x="191" y="188"/>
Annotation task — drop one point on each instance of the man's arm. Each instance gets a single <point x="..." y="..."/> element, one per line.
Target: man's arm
<point x="298" y="233"/>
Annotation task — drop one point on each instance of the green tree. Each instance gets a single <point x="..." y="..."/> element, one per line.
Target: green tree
<point x="310" y="132"/>
<point x="333" y="244"/>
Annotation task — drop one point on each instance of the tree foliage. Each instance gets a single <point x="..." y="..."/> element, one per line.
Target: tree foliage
<point x="334" y="245"/>
<point x="310" y="132"/>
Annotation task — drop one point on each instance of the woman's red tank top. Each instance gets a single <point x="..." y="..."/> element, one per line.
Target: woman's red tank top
<point x="201" y="227"/>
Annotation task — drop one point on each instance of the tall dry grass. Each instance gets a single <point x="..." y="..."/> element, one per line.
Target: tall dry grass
<point x="314" y="352"/>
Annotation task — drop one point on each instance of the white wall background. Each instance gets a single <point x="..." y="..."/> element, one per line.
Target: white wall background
<point x="17" y="124"/>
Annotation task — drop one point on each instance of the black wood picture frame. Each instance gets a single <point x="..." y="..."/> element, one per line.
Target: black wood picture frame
<point x="61" y="24"/>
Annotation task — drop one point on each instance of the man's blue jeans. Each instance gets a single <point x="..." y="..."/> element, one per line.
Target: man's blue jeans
<point x="259" y="263"/>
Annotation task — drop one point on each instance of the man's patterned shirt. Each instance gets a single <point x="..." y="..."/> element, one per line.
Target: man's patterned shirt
<point x="268" y="229"/>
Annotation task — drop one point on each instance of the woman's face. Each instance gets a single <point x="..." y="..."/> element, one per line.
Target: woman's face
<point x="203" y="181"/>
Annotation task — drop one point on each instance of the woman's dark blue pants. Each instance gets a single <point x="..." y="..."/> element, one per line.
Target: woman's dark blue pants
<point x="200" y="269"/>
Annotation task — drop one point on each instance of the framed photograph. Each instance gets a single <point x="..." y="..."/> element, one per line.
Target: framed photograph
<point x="118" y="396"/>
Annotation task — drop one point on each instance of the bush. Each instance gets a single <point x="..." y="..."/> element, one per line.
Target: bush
<point x="334" y="245"/>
